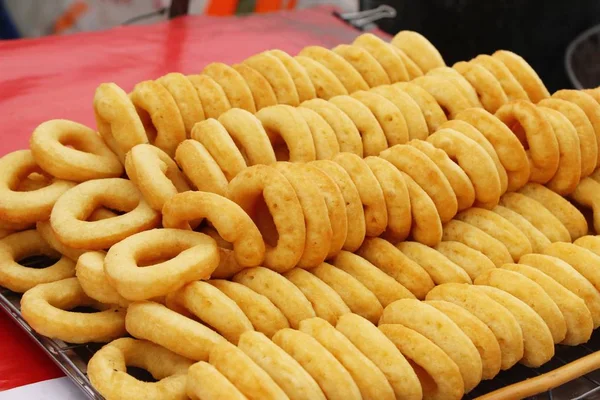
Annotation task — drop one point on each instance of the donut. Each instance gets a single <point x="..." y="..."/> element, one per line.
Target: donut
<point x="390" y="117"/>
<point x="277" y="75"/>
<point x="446" y="94"/>
<point x="419" y="49"/>
<point x="187" y="99"/>
<point x="363" y="62"/>
<point x="234" y="85"/>
<point x="472" y="236"/>
<point x="92" y="278"/>
<point x="511" y="87"/>
<point x="485" y="83"/>
<point x="302" y="81"/>
<point x="326" y="84"/>
<point x="325" y="141"/>
<point x="463" y="85"/>
<point x="586" y="195"/>
<point x="525" y="75"/>
<point x="426" y="222"/>
<point x="414" y="117"/>
<point x="206" y="382"/>
<point x="385" y="55"/>
<point x="197" y="164"/>
<point x="432" y="112"/>
<point x="583" y="260"/>
<point x="350" y="77"/>
<point x="440" y="268"/>
<point x="262" y="92"/>
<point x="536" y="238"/>
<point x="590" y="242"/>
<point x="472" y="261"/>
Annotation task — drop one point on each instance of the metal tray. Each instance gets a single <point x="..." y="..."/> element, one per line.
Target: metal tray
<point x="73" y="359"/>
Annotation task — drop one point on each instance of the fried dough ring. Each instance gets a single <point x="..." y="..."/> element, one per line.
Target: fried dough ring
<point x="489" y="90"/>
<point x="350" y="77"/>
<point x="503" y="324"/>
<point x="440" y="268"/>
<point x="577" y="317"/>
<point x="499" y="228"/>
<point x="316" y="215"/>
<point x="459" y="81"/>
<point x="393" y="262"/>
<point x="205" y="382"/>
<point x="587" y="141"/>
<point x="412" y="69"/>
<point x="470" y="235"/>
<point x="302" y="82"/>
<point x="117" y="120"/>
<point x="426" y="223"/>
<point x="413" y="116"/>
<point x="427" y="175"/>
<point x="458" y="179"/>
<point x="591" y="109"/>
<point x="220" y="145"/>
<point x="355" y="217"/>
<point x="155" y="174"/>
<point x="24" y="208"/>
<point x="92" y="278"/>
<point x="335" y="381"/>
<point x="537" y="239"/>
<point x="249" y="135"/>
<point x="283" y="204"/>
<point x="282" y="368"/>
<point x="20" y="245"/>
<point x="107" y="371"/>
<point x="287" y="297"/>
<point x="347" y="134"/>
<point x="201" y="169"/>
<point x="90" y="158"/>
<point x="583" y="260"/>
<point x="323" y="135"/>
<point x="538" y="215"/>
<point x="529" y="293"/>
<point x="283" y="124"/>
<point x="374" y="140"/>
<point x="537" y="338"/>
<point x="590" y="242"/>
<point x="212" y="307"/>
<point x="564" y="211"/>
<point x="511" y="87"/>
<point x="262" y="313"/>
<point x="568" y="277"/>
<point x="69" y="214"/>
<point x="45" y="230"/>
<point x="396" y="197"/>
<point x="472" y="261"/>
<point x="385" y="55"/>
<point x="384" y="287"/>
<point x="476" y="163"/>
<point x="369" y="190"/>
<point x="158" y="324"/>
<point x="326" y="302"/>
<point x="336" y="206"/>
<point x="586" y="194"/>
<point x="261" y="90"/>
<point x="159" y="113"/>
<point x="431" y="110"/>
<point x="383" y="352"/>
<point x="190" y="256"/>
<point x="525" y="75"/>
<point x="45" y="306"/>
<point x="446" y="94"/>
<point x="369" y="379"/>
<point x="213" y="97"/>
<point x="275" y="72"/>
<point x="363" y="62"/>
<point x="569" y="170"/>
<point x="186" y="97"/>
<point x="233" y="84"/>
<point x="442" y="331"/>
<point x="511" y="153"/>
<point x="479" y="333"/>
<point x="419" y="49"/>
<point x="326" y="84"/>
<point x="245" y="374"/>
<point x="355" y="294"/>
<point x="439" y="375"/>
<point x="473" y="133"/>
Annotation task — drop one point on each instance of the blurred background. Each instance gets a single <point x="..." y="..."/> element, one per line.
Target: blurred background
<point x="539" y="30"/>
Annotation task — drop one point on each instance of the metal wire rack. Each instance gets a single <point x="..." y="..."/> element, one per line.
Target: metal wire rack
<point x="72" y="360"/>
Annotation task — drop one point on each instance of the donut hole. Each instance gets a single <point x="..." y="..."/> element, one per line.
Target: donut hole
<point x="149" y="127"/>
<point x="519" y="132"/>
<point x="33" y="181"/>
<point x="83" y="309"/>
<point x="150" y="260"/>
<point x="141" y="374"/>
<point x="209" y="230"/>
<point x="38" y="261"/>
<point x="76" y="142"/>
<point x="263" y="219"/>
<point x="242" y="150"/>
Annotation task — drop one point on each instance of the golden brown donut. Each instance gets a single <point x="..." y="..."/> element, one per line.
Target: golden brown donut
<point x="389" y="116"/>
<point x="350" y="77"/>
<point x="485" y="83"/>
<point x="512" y="87"/>
<point x="385" y="55"/>
<point x="419" y="49"/>
<point x="186" y="97"/>
<point x="466" y="88"/>
<point x="197" y="164"/>
<point x="431" y="110"/>
<point x="583" y="260"/>
<point x="213" y="97"/>
<point x="590" y="242"/>
<point x="277" y="75"/>
<point x="564" y="211"/>
<point x="262" y="92"/>
<point x="206" y="382"/>
<point x="325" y="82"/>
<point x="366" y="65"/>
<point x="414" y="117"/>
<point x="412" y="69"/>
<point x="523" y="72"/>
<point x="393" y="262"/>
<point x="536" y="237"/>
<point x="446" y="94"/>
<point x="440" y="268"/>
<point x="325" y="141"/>
<point x="529" y="293"/>
<point x="302" y="82"/>
<point x="586" y="194"/>
<point x="511" y="153"/>
<point x="502" y="322"/>
<point x="472" y="261"/>
<point x="235" y="87"/>
<point x="426" y="222"/>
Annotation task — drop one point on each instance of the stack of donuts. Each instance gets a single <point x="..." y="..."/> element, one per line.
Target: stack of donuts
<point x="356" y="223"/>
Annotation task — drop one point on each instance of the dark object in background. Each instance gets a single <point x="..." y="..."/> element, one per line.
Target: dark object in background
<point x="582" y="59"/>
<point x="538" y="30"/>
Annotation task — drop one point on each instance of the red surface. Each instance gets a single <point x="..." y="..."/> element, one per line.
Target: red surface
<point x="55" y="77"/>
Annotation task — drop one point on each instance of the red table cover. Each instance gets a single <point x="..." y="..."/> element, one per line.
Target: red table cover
<point x="55" y="77"/>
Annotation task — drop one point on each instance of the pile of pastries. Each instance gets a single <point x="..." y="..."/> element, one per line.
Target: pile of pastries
<point x="363" y="222"/>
